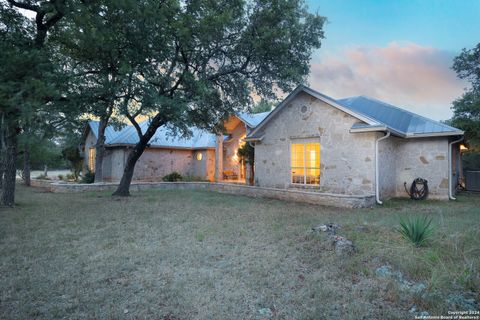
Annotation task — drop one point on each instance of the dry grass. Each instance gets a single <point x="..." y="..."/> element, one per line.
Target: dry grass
<point x="204" y="255"/>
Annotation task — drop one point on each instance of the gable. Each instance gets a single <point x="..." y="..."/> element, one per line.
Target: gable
<point x="255" y="134"/>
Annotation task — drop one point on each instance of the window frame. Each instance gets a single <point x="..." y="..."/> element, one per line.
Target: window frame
<point x="304" y="143"/>
<point x="92" y="154"/>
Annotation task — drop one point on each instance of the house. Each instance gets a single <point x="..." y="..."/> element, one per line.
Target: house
<point x="355" y="146"/>
<point x="196" y="156"/>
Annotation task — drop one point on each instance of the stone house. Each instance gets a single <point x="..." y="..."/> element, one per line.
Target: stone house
<point x="197" y="156"/>
<point x="357" y="146"/>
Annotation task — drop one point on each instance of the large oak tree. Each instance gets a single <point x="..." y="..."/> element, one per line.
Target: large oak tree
<point x="203" y="59"/>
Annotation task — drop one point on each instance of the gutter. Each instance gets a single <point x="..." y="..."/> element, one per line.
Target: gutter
<point x="377" y="188"/>
<point x="252" y="139"/>
<point x="450" y="162"/>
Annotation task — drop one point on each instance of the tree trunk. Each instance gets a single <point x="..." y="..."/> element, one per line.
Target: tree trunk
<point x="45" y="170"/>
<point x="8" y="190"/>
<point x="26" y="165"/>
<point x="100" y="150"/>
<point x="3" y="148"/>
<point x="124" y="186"/>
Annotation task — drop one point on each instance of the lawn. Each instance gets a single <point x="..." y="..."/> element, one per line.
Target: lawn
<point x="205" y="255"/>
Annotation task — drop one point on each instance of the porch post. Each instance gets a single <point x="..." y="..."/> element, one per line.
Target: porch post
<point x="219" y="159"/>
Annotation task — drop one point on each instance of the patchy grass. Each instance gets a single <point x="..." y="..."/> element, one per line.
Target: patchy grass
<point x="204" y="255"/>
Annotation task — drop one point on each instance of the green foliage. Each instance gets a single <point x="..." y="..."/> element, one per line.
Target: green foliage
<point x="88" y="177"/>
<point x="247" y="153"/>
<point x="60" y="177"/>
<point x="43" y="152"/>
<point x="75" y="159"/>
<point x="70" y="177"/>
<point x="416" y="230"/>
<point x="466" y="110"/>
<point x="263" y="106"/>
<point x="471" y="161"/>
<point x="172" y="177"/>
<point x="42" y="177"/>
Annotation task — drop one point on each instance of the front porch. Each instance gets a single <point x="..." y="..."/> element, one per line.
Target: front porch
<point x="229" y="167"/>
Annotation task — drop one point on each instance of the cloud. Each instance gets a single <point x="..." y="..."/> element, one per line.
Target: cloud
<point x="408" y="75"/>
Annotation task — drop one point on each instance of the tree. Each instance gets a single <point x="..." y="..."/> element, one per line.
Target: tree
<point x="202" y="60"/>
<point x="263" y="106"/>
<point x="246" y="153"/>
<point x="25" y="75"/>
<point x="100" y="52"/>
<point x="466" y="110"/>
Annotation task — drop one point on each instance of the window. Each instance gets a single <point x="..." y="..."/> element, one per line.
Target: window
<point x="91" y="158"/>
<point x="305" y="166"/>
<point x="199" y="156"/>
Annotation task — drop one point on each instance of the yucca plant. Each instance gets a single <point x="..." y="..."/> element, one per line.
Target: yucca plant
<point x="416" y="230"/>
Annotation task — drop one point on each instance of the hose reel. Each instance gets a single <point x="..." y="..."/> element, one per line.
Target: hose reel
<point x="418" y="189"/>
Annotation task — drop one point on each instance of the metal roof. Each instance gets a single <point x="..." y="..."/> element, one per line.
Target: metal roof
<point x="256" y="132"/>
<point x="377" y="114"/>
<point x="252" y="119"/>
<point x="164" y="137"/>
<point x="400" y="121"/>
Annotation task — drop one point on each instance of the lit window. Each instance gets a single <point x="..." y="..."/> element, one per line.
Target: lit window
<point x="91" y="158"/>
<point x="199" y="156"/>
<point x="305" y="165"/>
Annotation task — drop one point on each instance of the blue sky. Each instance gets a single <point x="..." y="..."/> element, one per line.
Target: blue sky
<point x="397" y="51"/>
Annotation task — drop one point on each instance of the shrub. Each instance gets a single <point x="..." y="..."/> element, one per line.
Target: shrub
<point x="70" y="177"/>
<point x="172" y="177"/>
<point x="88" y="177"/>
<point x="60" y="177"/>
<point x="416" y="230"/>
<point x="42" y="177"/>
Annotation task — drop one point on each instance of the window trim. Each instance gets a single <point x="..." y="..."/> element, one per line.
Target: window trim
<point x="304" y="143"/>
<point x="92" y="154"/>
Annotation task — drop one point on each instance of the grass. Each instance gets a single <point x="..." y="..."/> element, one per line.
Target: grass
<point x="204" y="255"/>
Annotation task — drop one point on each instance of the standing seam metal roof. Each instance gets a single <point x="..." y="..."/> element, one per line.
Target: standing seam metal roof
<point x="400" y="120"/>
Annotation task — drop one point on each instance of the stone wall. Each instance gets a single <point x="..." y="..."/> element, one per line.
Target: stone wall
<point x="210" y="163"/>
<point x="387" y="155"/>
<point x="426" y="158"/>
<point x="347" y="159"/>
<point x="329" y="199"/>
<point x="155" y="163"/>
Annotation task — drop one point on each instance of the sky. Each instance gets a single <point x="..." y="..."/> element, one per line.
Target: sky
<point x="398" y="51"/>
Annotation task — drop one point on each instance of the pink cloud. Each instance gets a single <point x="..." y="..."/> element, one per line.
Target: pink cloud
<point x="408" y="75"/>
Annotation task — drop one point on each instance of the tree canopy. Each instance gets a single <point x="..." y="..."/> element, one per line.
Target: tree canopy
<point x="176" y="63"/>
<point x="466" y="109"/>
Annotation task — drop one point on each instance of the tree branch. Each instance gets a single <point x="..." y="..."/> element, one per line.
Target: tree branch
<point x="23" y="5"/>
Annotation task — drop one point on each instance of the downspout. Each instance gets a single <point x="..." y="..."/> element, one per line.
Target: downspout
<point x="377" y="188"/>
<point x="450" y="173"/>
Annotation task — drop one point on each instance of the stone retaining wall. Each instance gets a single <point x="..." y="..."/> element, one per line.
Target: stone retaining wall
<point x="328" y="199"/>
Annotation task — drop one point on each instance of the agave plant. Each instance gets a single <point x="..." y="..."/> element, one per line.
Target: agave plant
<point x="416" y="230"/>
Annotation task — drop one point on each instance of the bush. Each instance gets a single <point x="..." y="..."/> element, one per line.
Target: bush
<point x="70" y="177"/>
<point x="88" y="177"/>
<point x="60" y="177"/>
<point x="172" y="177"/>
<point x="42" y="177"/>
<point x="416" y="230"/>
